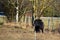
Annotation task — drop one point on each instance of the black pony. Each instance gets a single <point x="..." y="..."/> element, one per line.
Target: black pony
<point x="39" y="25"/>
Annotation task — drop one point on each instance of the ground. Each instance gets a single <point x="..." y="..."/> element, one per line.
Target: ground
<point x="17" y="33"/>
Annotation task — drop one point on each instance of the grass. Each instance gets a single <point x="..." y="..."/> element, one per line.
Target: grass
<point x="24" y="34"/>
<point x="17" y="33"/>
<point x="2" y="20"/>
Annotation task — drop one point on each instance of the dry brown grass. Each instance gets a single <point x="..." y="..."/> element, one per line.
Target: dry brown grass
<point x="17" y="33"/>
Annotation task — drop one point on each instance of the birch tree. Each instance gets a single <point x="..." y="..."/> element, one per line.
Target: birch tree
<point x="10" y="8"/>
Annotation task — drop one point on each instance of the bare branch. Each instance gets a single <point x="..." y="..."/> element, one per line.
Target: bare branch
<point x="49" y="4"/>
<point x="21" y="4"/>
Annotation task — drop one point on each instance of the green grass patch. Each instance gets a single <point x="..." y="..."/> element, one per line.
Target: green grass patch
<point x="1" y="20"/>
